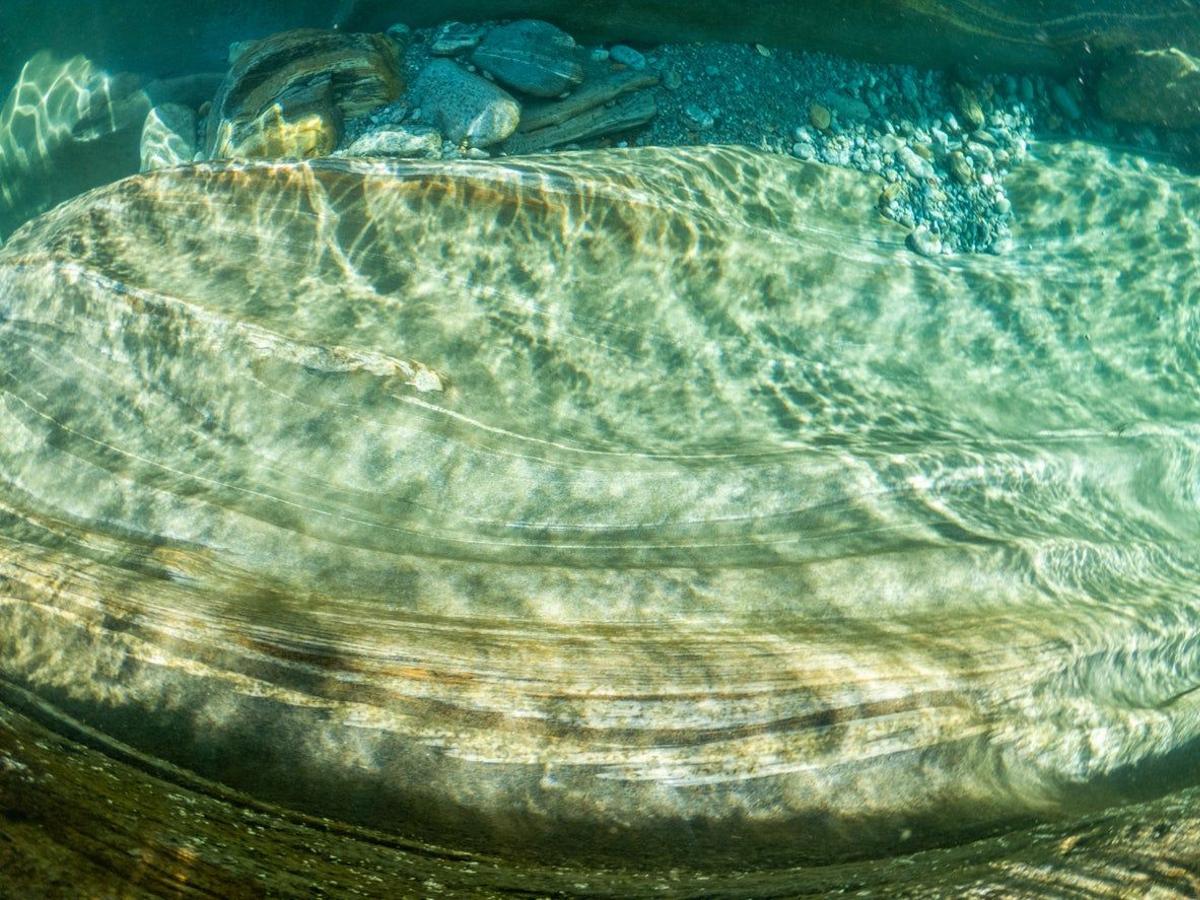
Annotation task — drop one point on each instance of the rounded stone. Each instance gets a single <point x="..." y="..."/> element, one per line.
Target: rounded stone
<point x="531" y="56"/>
<point x="820" y="116"/>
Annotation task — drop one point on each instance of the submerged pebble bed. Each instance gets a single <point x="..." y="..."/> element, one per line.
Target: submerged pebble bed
<point x="942" y="142"/>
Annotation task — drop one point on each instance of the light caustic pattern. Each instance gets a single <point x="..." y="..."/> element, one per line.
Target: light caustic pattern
<point x="648" y="504"/>
<point x="64" y="128"/>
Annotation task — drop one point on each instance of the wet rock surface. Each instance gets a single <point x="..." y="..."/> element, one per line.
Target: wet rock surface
<point x="533" y="57"/>
<point x="1159" y="86"/>
<point x="398" y="142"/>
<point x="286" y="95"/>
<point x="468" y="109"/>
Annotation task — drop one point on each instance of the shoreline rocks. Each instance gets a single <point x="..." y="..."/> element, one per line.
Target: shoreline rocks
<point x="287" y="94"/>
<point x="532" y="57"/>
<point x="468" y="109"/>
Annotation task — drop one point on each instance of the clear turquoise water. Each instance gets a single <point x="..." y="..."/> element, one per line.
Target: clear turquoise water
<point x="652" y="508"/>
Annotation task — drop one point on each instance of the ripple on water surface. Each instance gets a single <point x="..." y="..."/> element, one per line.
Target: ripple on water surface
<point x="653" y="502"/>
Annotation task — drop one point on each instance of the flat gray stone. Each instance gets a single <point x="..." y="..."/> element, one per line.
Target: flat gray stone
<point x="531" y="56"/>
<point x="465" y="107"/>
<point x="453" y="38"/>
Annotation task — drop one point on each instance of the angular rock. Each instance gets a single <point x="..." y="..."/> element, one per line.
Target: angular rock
<point x="168" y="137"/>
<point x="531" y="56"/>
<point x="466" y="108"/>
<point x="397" y="142"/>
<point x="541" y="114"/>
<point x="455" y="37"/>
<point x="292" y="90"/>
<point x="626" y="112"/>
<point x="1156" y="87"/>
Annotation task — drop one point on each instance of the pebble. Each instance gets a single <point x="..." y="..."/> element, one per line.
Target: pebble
<point x="820" y="117"/>
<point x="672" y="80"/>
<point x="627" y="56"/>
<point x="698" y="117"/>
<point x="966" y="104"/>
<point x="804" y="150"/>
<point x="917" y="167"/>
<point x="960" y="169"/>
<point x="982" y="155"/>
<point x="849" y="109"/>
<point x="1065" y="102"/>
<point x="923" y="241"/>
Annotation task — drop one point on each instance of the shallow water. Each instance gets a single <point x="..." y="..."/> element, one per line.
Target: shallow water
<point x="535" y="496"/>
<point x="643" y="519"/>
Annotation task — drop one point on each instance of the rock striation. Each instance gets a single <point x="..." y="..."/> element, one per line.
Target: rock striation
<point x="531" y="56"/>
<point x="286" y="95"/>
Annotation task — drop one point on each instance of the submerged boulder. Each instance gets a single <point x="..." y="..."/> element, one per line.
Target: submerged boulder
<point x="467" y="109"/>
<point x="1160" y="87"/>
<point x="168" y="136"/>
<point x="647" y="502"/>
<point x="287" y="94"/>
<point x="530" y="56"/>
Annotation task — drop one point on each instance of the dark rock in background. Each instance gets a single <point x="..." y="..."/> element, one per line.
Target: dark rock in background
<point x="1041" y="35"/>
<point x="530" y="56"/>
<point x="1158" y="86"/>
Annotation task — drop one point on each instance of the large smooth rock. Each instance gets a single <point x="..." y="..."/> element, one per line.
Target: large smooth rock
<point x="528" y="505"/>
<point x="531" y="56"/>
<point x="1157" y="86"/>
<point x="468" y="109"/>
<point x="286" y="95"/>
